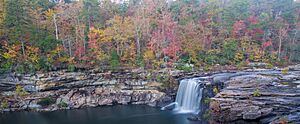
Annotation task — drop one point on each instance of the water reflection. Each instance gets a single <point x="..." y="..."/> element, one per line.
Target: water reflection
<point x="131" y="114"/>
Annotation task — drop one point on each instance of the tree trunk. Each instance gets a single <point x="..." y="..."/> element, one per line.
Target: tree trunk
<point x="56" y="28"/>
<point x="138" y="46"/>
<point x="70" y="48"/>
<point x="279" y="49"/>
<point x="295" y="36"/>
<point x="85" y="41"/>
<point x="23" y="47"/>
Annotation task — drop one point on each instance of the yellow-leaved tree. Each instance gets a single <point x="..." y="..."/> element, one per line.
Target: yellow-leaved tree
<point x="121" y="34"/>
<point x="97" y="41"/>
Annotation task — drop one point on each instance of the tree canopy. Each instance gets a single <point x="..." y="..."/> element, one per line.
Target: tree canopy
<point x="42" y="35"/>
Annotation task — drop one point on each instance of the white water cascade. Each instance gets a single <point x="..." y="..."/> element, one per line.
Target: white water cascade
<point x="188" y="98"/>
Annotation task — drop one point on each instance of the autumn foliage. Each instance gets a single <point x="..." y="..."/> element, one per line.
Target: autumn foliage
<point x="51" y="35"/>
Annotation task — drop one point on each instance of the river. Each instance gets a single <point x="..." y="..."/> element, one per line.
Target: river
<point x="120" y="114"/>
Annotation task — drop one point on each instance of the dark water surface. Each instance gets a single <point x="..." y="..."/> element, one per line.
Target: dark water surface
<point x="126" y="114"/>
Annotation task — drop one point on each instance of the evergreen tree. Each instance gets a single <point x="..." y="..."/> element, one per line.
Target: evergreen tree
<point x="17" y="21"/>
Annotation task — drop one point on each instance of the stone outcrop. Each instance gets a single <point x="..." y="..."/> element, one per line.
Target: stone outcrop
<point x="71" y="90"/>
<point x="88" y="97"/>
<point x="266" y="97"/>
<point x="132" y="79"/>
<point x="62" y="79"/>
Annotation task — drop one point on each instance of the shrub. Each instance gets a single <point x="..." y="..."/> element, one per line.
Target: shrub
<point x="207" y="100"/>
<point x="149" y="76"/>
<point x="285" y="71"/>
<point x="71" y="68"/>
<point x="207" y="68"/>
<point x="157" y="63"/>
<point x="216" y="90"/>
<point x="44" y="64"/>
<point x="269" y="66"/>
<point x="46" y="101"/>
<point x="62" y="105"/>
<point x="20" y="91"/>
<point x="257" y="93"/>
<point x="140" y="61"/>
<point x="206" y="114"/>
<point x="239" y="57"/>
<point x="5" y="67"/>
<point x="184" y="67"/>
<point x="164" y="79"/>
<point x="223" y="61"/>
<point x="212" y="59"/>
<point x="158" y="78"/>
<point x="148" y="57"/>
<point x="20" y="69"/>
<point x="229" y="50"/>
<point x="241" y="65"/>
<point x="185" y="59"/>
<point x="209" y="57"/>
<point x="4" y="104"/>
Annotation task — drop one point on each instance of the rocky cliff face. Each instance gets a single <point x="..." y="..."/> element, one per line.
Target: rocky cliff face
<point x="63" y="79"/>
<point x="264" y="97"/>
<point x="67" y="90"/>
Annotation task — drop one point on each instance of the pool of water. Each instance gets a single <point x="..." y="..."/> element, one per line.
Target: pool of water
<point x="122" y="114"/>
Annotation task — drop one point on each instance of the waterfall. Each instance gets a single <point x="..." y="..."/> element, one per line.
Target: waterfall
<point x="189" y="95"/>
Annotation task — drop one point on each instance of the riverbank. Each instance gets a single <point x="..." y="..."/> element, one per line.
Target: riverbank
<point x="62" y="89"/>
<point x="71" y="90"/>
<point x="265" y="95"/>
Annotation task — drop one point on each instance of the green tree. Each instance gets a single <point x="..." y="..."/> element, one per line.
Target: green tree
<point x="2" y="16"/>
<point x="114" y="60"/>
<point x="17" y="22"/>
<point x="235" y="10"/>
<point x="229" y="50"/>
<point x="90" y="14"/>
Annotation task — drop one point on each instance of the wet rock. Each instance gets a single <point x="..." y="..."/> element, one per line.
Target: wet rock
<point x="193" y="118"/>
<point x="91" y="101"/>
<point x="79" y="101"/>
<point x="105" y="101"/>
<point x="169" y="106"/>
<point x="124" y="99"/>
<point x="34" y="105"/>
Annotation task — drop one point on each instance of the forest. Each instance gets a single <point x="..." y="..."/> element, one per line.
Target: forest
<point x="45" y="35"/>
